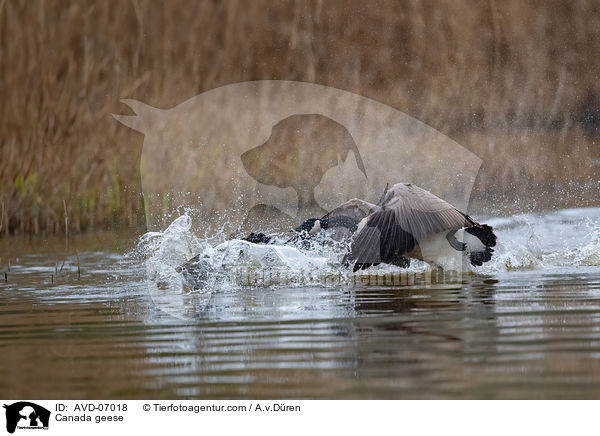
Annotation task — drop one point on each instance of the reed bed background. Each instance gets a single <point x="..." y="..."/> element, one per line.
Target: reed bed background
<point x="517" y="83"/>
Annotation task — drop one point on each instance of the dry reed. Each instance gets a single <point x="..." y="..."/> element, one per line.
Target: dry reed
<point x="516" y="82"/>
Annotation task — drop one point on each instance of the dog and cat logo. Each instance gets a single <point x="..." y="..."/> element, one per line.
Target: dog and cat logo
<point x="264" y="156"/>
<point x="26" y="415"/>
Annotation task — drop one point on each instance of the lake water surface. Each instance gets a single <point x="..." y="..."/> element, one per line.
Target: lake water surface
<point x="527" y="325"/>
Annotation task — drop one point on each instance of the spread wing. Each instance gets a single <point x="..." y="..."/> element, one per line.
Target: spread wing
<point x="355" y="208"/>
<point x="407" y="216"/>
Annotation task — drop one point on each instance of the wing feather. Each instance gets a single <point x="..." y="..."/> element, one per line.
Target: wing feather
<point x="355" y="208"/>
<point x="408" y="215"/>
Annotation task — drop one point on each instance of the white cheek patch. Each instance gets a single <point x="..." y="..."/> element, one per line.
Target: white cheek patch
<point x="473" y="242"/>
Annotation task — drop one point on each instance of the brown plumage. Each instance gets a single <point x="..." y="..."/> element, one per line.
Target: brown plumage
<point x="407" y="216"/>
<point x="355" y="208"/>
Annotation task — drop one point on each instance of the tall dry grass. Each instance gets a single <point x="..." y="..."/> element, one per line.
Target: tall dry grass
<point x="516" y="82"/>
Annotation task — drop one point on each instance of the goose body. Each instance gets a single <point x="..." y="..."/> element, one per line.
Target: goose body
<point x="409" y="222"/>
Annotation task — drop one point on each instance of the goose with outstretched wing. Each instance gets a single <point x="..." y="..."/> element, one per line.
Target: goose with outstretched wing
<point x="408" y="222"/>
<point x="411" y="222"/>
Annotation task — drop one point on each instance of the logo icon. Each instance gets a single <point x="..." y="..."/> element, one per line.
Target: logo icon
<point x="26" y="415"/>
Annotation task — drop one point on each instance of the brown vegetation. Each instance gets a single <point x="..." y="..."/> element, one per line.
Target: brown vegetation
<point x="515" y="82"/>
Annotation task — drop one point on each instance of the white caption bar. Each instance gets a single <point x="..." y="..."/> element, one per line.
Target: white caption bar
<point x="266" y="417"/>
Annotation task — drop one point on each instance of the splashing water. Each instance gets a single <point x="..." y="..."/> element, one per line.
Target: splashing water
<point x="589" y="254"/>
<point x="566" y="238"/>
<point x="233" y="262"/>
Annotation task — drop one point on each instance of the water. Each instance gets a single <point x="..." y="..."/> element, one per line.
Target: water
<point x="527" y="325"/>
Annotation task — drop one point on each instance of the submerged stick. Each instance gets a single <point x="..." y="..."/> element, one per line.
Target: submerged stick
<point x="78" y="268"/>
<point x="66" y="225"/>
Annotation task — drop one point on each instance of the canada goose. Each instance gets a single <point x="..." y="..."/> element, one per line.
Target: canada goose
<point x="411" y="222"/>
<point x="344" y="223"/>
<point x="408" y="222"/>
